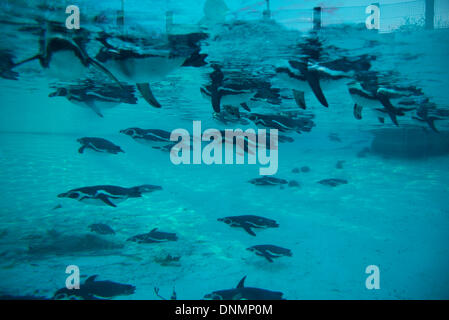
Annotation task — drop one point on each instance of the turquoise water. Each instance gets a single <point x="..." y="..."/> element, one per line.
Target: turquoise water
<point x="392" y="213"/>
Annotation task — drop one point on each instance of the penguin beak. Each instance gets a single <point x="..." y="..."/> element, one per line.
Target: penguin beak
<point x="53" y="94"/>
<point x="62" y="195"/>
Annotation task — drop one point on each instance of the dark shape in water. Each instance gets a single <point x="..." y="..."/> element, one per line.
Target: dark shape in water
<point x="294" y="184"/>
<point x="305" y="169"/>
<point x="410" y="143"/>
<point x="94" y="290"/>
<point x="334" y="137"/>
<point x="101" y="228"/>
<point x="333" y="182"/>
<point x="268" y="181"/>
<point x="99" y="145"/>
<point x="362" y="153"/>
<point x="358" y="111"/>
<point x="56" y="244"/>
<point x="168" y="260"/>
<point x="339" y="164"/>
<point x="154" y="236"/>
<point x="270" y="252"/>
<point x="244" y="293"/>
<point x="6" y="65"/>
<point x="249" y="221"/>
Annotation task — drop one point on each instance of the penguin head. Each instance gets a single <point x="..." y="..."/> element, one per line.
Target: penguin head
<point x="225" y="220"/>
<point x="60" y="92"/>
<point x="253" y="117"/>
<point x="129" y="132"/>
<point x="70" y="194"/>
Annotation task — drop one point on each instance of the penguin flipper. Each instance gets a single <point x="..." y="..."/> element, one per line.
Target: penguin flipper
<point x="106" y="200"/>
<point x="431" y="123"/>
<point x="245" y="106"/>
<point x="381" y="120"/>
<point x="95" y="109"/>
<point x="299" y="98"/>
<point x="105" y="71"/>
<point x="389" y="107"/>
<point x="358" y="111"/>
<point x="247" y="228"/>
<point x="216" y="100"/>
<point x="268" y="258"/>
<point x="81" y="150"/>
<point x="314" y="83"/>
<point x="145" y="90"/>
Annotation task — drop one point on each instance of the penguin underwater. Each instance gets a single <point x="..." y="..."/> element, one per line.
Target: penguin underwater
<point x="99" y="145"/>
<point x="249" y="221"/>
<point x="107" y="194"/>
<point x="66" y="59"/>
<point x="270" y="252"/>
<point x="244" y="293"/>
<point x="153" y="65"/>
<point x="93" y="289"/>
<point x="96" y="97"/>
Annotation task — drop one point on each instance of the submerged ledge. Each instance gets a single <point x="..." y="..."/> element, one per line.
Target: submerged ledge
<point x="409" y="143"/>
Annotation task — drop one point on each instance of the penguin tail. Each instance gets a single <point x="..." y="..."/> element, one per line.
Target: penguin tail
<point x="147" y="94"/>
<point x="431" y="123"/>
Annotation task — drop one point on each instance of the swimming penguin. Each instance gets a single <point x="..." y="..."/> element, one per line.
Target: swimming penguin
<point x="249" y="221"/>
<point x="244" y="293"/>
<point x="221" y="93"/>
<point x="154" y="236"/>
<point x="423" y="114"/>
<point x="148" y="135"/>
<point x="302" y="76"/>
<point x="268" y="181"/>
<point x="269" y="251"/>
<point x="107" y="194"/>
<point x="333" y="182"/>
<point x="282" y="123"/>
<point x="99" y="145"/>
<point x="93" y="289"/>
<point x="66" y="59"/>
<point x="91" y="95"/>
<point x="101" y="228"/>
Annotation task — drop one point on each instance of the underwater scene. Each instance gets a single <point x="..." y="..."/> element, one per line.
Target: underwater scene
<point x="224" y="149"/>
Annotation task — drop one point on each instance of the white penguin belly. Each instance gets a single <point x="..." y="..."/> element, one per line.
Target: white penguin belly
<point x="66" y="66"/>
<point x="145" y="69"/>
<point x="236" y="99"/>
<point x="99" y="202"/>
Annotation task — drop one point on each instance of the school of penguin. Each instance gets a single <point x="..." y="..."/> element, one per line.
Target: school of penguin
<point x="232" y="94"/>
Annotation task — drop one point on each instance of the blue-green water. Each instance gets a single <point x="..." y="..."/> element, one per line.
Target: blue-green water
<point x="392" y="212"/>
